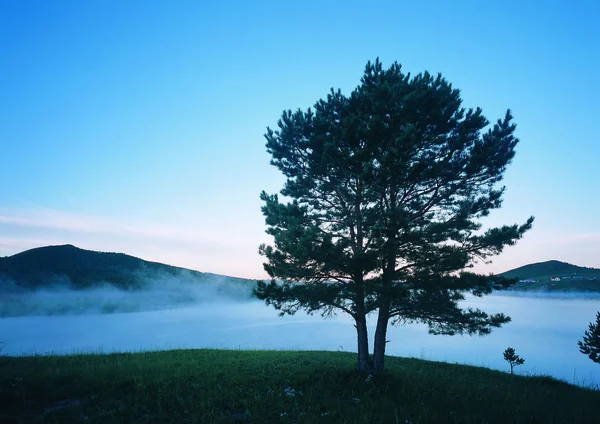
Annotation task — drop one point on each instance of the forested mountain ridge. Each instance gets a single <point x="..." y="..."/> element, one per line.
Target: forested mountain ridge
<point x="82" y="268"/>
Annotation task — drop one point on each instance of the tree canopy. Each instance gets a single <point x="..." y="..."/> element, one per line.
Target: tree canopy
<point x="381" y="208"/>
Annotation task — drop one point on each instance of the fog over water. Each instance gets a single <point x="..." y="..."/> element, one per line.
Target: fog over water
<point x="161" y="291"/>
<point x="544" y="328"/>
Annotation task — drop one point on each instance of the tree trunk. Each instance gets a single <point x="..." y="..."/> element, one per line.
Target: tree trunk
<point x="380" y="337"/>
<point x="364" y="361"/>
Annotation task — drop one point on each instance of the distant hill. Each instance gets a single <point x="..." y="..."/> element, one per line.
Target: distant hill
<point x="555" y="276"/>
<point x="80" y="269"/>
<point x="77" y="268"/>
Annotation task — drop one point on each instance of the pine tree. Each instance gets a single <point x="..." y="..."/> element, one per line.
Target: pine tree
<point x="384" y="190"/>
<point x="591" y="341"/>
<point x="512" y="358"/>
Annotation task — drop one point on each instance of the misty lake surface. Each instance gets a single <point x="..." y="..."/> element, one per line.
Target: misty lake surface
<point x="544" y="330"/>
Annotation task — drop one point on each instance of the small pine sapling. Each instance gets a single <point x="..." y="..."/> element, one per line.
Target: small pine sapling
<point x="512" y="358"/>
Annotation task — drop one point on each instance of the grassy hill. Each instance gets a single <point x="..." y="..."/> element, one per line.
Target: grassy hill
<point x="80" y="268"/>
<point x="235" y="386"/>
<point x="555" y="276"/>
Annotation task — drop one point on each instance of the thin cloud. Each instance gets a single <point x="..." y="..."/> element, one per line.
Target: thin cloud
<point x="22" y="243"/>
<point x="204" y="248"/>
<point x="577" y="238"/>
<point x="78" y="223"/>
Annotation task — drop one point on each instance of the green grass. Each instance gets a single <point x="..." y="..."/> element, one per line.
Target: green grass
<point x="228" y="386"/>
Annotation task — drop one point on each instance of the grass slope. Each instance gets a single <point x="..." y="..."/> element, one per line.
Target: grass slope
<point x="215" y="386"/>
<point x="44" y="266"/>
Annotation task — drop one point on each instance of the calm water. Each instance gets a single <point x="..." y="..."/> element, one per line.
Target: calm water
<point x="544" y="331"/>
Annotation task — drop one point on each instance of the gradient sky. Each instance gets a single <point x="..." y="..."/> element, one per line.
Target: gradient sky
<point x="138" y="126"/>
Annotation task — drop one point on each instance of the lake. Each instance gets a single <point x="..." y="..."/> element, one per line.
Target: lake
<point x="544" y="330"/>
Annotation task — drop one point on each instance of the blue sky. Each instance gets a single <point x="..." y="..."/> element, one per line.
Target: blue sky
<point x="138" y="126"/>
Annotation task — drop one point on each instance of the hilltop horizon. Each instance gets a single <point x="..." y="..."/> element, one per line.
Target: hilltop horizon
<point x="85" y="268"/>
<point x="551" y="263"/>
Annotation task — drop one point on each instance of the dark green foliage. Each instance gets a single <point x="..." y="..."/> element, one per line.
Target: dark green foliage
<point x="385" y="189"/>
<point x="590" y="345"/>
<point x="512" y="358"/>
<point x="215" y="386"/>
